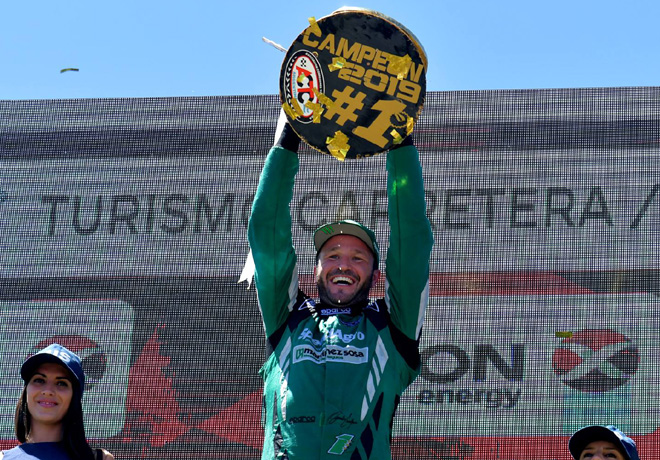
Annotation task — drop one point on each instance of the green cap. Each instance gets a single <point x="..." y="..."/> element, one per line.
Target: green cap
<point x="346" y="227"/>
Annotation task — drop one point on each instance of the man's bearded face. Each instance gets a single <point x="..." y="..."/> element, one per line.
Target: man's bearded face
<point x="345" y="271"/>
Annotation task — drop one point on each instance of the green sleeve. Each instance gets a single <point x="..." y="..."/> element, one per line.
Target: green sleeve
<point x="411" y="240"/>
<point x="269" y="235"/>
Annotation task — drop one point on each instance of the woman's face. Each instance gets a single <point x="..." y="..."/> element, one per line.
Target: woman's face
<point x="601" y="450"/>
<point x="49" y="392"/>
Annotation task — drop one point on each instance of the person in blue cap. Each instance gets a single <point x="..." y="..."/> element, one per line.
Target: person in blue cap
<point x="338" y="365"/>
<point x="602" y="442"/>
<point x="49" y="416"/>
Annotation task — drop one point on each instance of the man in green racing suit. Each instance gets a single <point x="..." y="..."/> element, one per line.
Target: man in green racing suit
<point x="337" y="368"/>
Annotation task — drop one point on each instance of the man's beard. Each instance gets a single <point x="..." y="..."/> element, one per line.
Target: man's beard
<point x="360" y="296"/>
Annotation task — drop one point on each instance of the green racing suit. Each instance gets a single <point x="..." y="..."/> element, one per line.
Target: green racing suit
<point x="334" y="376"/>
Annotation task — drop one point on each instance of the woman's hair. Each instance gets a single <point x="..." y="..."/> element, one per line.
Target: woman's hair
<point x="73" y="429"/>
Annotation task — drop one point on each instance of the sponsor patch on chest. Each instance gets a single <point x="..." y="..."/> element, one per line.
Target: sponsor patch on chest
<point x="331" y="353"/>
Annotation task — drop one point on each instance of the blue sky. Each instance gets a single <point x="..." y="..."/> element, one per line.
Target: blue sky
<point x="147" y="48"/>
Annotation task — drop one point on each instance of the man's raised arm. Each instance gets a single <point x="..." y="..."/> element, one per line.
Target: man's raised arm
<point x="411" y="240"/>
<point x="269" y="231"/>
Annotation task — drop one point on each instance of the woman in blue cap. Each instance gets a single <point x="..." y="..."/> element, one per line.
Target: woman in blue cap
<point x="598" y="442"/>
<point x="49" y="417"/>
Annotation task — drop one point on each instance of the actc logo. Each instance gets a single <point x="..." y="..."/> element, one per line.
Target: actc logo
<point x="90" y="353"/>
<point x="303" y="79"/>
<point x="595" y="360"/>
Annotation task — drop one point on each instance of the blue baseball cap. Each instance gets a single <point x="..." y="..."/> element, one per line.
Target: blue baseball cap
<point x="609" y="433"/>
<point x="55" y="353"/>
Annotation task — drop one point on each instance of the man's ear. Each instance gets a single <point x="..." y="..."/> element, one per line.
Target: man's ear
<point x="375" y="277"/>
